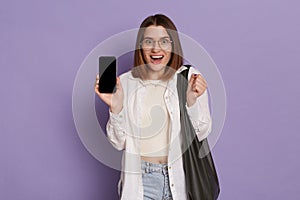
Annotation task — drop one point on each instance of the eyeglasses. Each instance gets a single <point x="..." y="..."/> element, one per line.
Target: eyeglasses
<point x="164" y="43"/>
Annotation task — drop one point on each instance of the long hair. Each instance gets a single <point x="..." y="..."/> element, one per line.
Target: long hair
<point x="176" y="60"/>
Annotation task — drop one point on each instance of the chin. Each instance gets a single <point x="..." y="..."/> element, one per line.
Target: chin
<point x="156" y="67"/>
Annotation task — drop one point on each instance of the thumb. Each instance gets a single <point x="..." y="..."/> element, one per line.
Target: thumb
<point x="118" y="84"/>
<point x="191" y="81"/>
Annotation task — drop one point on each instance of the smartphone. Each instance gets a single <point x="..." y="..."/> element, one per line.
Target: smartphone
<point x="107" y="73"/>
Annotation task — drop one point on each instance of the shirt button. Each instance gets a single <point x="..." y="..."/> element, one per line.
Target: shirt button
<point x="169" y="167"/>
<point x="172" y="185"/>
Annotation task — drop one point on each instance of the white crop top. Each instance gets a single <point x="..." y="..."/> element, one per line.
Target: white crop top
<point x="155" y="121"/>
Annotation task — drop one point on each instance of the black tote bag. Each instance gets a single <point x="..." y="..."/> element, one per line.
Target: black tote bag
<point x="200" y="174"/>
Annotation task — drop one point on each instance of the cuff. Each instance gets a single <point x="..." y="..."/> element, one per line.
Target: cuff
<point x="194" y="110"/>
<point x="117" y="119"/>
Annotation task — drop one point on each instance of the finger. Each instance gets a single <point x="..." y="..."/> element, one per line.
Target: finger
<point x="97" y="90"/>
<point x="196" y="89"/>
<point x="118" y="81"/>
<point x="96" y="82"/>
<point x="200" y="76"/>
<point x="201" y="84"/>
<point x="199" y="91"/>
<point x="200" y="79"/>
<point x="191" y="81"/>
<point x="97" y="78"/>
<point x="198" y="86"/>
<point x="195" y="76"/>
<point x="118" y="84"/>
<point x="96" y="85"/>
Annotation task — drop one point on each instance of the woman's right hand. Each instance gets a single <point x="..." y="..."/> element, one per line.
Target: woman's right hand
<point x="113" y="100"/>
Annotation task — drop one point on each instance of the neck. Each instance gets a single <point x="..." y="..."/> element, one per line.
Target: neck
<point x="155" y="75"/>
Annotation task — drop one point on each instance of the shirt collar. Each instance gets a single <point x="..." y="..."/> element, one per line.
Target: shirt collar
<point x="182" y="68"/>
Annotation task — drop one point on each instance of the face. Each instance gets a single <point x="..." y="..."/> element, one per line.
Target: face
<point x="156" y="48"/>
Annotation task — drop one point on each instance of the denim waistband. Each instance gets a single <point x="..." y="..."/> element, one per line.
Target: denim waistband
<point x="154" y="167"/>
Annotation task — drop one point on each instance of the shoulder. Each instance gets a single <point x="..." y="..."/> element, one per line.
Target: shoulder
<point x="128" y="79"/>
<point x="126" y="76"/>
<point x="192" y="70"/>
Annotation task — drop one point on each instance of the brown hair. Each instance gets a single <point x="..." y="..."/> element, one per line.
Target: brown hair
<point x="176" y="60"/>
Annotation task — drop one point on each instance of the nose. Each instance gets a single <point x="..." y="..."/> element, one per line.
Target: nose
<point x="156" y="46"/>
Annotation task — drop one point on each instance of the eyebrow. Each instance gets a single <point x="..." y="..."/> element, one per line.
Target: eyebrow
<point x="159" y="38"/>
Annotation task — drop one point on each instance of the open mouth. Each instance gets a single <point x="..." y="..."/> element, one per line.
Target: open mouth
<point x="156" y="59"/>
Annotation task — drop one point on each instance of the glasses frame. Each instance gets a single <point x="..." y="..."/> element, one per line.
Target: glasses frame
<point x="156" y="41"/>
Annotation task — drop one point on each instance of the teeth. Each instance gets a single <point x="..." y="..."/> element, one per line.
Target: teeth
<point x="156" y="57"/>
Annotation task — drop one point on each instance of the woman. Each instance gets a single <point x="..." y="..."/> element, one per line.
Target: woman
<point x="145" y="118"/>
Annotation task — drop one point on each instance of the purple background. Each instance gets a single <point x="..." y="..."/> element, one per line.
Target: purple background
<point x="255" y="45"/>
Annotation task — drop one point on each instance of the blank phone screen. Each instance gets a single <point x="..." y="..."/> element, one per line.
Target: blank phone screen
<point x="107" y="73"/>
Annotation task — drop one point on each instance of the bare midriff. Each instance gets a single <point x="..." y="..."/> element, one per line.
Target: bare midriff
<point x="157" y="160"/>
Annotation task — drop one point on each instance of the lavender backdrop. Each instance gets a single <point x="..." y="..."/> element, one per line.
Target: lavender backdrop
<point x="255" y="44"/>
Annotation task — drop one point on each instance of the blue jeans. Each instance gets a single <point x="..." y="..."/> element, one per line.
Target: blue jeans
<point x="156" y="181"/>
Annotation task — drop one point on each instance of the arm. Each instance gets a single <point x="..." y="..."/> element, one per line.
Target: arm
<point x="116" y="130"/>
<point x="198" y="108"/>
<point x="116" y="123"/>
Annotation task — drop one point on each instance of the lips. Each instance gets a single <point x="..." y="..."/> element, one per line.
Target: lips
<point x="156" y="59"/>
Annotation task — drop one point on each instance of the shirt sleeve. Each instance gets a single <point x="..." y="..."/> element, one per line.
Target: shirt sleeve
<point x="116" y="129"/>
<point x="199" y="113"/>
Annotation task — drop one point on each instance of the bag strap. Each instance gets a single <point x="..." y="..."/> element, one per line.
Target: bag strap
<point x="186" y="71"/>
<point x="182" y="84"/>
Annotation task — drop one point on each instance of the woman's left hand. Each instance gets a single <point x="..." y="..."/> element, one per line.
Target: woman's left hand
<point x="196" y="87"/>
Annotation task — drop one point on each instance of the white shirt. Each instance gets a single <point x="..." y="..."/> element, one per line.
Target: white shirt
<point x="124" y="131"/>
